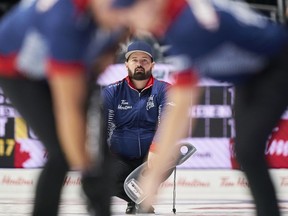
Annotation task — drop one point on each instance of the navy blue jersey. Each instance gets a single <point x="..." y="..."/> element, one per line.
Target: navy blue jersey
<point x="220" y="39"/>
<point x="223" y="40"/>
<point x="133" y="116"/>
<point x="39" y="35"/>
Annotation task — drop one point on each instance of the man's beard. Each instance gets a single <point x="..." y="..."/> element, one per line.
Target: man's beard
<point x="139" y="75"/>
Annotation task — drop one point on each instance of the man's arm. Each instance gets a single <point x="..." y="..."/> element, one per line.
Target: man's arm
<point x="109" y="112"/>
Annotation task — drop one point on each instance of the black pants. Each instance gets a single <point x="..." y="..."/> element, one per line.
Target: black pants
<point x="121" y="168"/>
<point x="32" y="99"/>
<point x="259" y="105"/>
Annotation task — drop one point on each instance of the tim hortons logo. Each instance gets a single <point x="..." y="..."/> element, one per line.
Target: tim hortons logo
<point x="8" y="180"/>
<point x="71" y="181"/>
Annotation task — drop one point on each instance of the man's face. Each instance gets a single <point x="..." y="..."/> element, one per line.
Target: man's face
<point x="139" y="66"/>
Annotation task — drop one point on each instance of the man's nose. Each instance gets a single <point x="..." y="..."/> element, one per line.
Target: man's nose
<point x="139" y="63"/>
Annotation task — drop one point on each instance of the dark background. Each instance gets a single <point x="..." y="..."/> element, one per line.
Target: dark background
<point x="5" y="5"/>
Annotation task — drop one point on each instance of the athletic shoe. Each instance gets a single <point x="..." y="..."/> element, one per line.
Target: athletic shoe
<point x="131" y="208"/>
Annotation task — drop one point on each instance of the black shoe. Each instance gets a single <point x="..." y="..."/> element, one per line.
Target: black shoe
<point x="131" y="208"/>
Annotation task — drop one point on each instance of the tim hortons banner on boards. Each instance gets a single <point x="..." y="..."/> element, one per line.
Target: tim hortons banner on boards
<point x="276" y="148"/>
<point x="192" y="185"/>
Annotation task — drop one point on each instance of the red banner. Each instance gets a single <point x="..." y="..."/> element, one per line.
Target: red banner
<point x="276" y="149"/>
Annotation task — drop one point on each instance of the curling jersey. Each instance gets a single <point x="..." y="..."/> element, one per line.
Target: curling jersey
<point x="133" y="116"/>
<point x="41" y="36"/>
<point x="220" y="39"/>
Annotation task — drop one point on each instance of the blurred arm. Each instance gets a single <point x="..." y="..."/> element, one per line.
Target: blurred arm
<point x="173" y="128"/>
<point x="164" y="103"/>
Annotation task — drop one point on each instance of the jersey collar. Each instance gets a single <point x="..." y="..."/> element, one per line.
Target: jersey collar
<point x="148" y="84"/>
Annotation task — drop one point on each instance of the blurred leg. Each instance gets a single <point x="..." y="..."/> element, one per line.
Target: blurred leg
<point x="32" y="100"/>
<point x="258" y="108"/>
<point x="96" y="182"/>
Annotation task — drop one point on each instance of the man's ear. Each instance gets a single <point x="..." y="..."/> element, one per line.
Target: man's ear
<point x="126" y="64"/>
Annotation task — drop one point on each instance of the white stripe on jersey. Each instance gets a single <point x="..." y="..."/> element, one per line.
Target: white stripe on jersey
<point x="204" y="13"/>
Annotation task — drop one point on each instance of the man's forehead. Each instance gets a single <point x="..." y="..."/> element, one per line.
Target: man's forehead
<point x="139" y="55"/>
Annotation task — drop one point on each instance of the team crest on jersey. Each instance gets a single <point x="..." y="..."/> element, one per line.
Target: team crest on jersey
<point x="124" y="105"/>
<point x="150" y="103"/>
